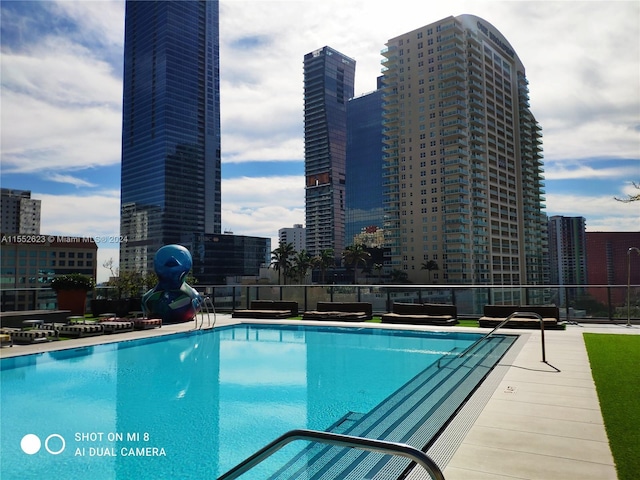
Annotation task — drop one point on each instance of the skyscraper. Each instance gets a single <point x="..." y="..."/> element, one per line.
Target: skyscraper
<point x="567" y="254"/>
<point x="328" y="86"/>
<point x="19" y="213"/>
<point x="364" y="208"/>
<point x="463" y="157"/>
<point x="170" y="185"/>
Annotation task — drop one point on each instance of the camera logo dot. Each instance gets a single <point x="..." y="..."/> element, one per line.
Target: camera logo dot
<point x="30" y="444"/>
<point x="54" y="444"/>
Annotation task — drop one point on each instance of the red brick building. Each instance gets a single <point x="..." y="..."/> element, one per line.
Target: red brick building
<point x="607" y="261"/>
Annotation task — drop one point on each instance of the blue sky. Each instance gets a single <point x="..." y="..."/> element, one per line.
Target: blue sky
<point x="61" y="99"/>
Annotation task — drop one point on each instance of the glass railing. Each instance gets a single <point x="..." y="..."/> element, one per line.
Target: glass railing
<point x="606" y="302"/>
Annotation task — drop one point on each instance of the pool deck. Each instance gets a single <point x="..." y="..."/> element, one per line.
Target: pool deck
<point x="539" y="420"/>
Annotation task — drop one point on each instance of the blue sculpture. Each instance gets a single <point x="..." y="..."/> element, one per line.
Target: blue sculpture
<point x="172" y="299"/>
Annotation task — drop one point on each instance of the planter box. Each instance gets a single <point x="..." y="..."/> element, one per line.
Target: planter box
<point x="120" y="307"/>
<point x="73" y="300"/>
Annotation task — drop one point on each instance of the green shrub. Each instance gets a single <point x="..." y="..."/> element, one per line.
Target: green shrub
<point x="72" y="281"/>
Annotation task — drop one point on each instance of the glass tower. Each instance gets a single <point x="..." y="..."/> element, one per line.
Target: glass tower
<point x="328" y="86"/>
<point x="463" y="175"/>
<point x="364" y="215"/>
<point x="170" y="179"/>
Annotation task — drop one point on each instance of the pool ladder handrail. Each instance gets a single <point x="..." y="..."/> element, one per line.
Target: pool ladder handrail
<point x="206" y="303"/>
<point x="340" y="440"/>
<point x="501" y="324"/>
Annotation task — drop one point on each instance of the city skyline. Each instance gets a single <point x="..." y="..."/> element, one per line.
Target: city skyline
<point x="583" y="77"/>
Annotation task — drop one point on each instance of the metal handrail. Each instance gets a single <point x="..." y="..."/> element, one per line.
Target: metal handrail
<point x="380" y="446"/>
<point x="206" y="302"/>
<point x="502" y="323"/>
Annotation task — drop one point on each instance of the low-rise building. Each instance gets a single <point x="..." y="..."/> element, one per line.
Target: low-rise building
<point x="30" y="261"/>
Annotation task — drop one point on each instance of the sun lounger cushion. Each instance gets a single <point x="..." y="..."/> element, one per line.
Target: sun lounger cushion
<point x="341" y="311"/>
<point x="268" y="309"/>
<point x="422" y="314"/>
<point x="336" y="315"/>
<point x="495" y="314"/>
<point x="6" y="339"/>
<point x="33" y="336"/>
<point x="81" y="330"/>
<point x="117" y="326"/>
<point x="146" y="323"/>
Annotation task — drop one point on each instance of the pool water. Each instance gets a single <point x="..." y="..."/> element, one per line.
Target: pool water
<point x="194" y="405"/>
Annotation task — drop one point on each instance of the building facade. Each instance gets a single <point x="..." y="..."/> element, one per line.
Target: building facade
<point x="567" y="255"/>
<point x="221" y="259"/>
<point x="19" y="213"/>
<point x="463" y="157"/>
<point x="609" y="262"/>
<point x="328" y="85"/>
<point x="295" y="236"/>
<point x="31" y="261"/>
<point x="364" y="207"/>
<point x="170" y="179"/>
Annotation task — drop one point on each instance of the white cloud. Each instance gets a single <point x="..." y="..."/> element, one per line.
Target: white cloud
<point x="96" y="216"/>
<point x="261" y="206"/>
<point x="262" y="149"/>
<point x="102" y="21"/>
<point x="80" y="215"/>
<point x="70" y="179"/>
<point x="583" y="171"/>
<point x="61" y="109"/>
<point x="602" y="213"/>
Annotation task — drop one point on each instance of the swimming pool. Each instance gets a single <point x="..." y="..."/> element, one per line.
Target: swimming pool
<point x="193" y="405"/>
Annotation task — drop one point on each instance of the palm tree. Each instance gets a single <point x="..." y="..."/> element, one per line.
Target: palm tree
<point x="378" y="268"/>
<point x="281" y="259"/>
<point x="398" y="276"/>
<point x="323" y="261"/>
<point x="353" y="255"/>
<point x="301" y="264"/>
<point x="430" y="265"/>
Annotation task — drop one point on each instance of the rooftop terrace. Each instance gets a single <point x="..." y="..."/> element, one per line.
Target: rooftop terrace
<point x="529" y="419"/>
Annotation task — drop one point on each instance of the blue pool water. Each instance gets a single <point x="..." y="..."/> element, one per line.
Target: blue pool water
<point x="194" y="405"/>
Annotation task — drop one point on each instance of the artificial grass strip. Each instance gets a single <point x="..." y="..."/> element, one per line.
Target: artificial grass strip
<point x="467" y="323"/>
<point x="615" y="365"/>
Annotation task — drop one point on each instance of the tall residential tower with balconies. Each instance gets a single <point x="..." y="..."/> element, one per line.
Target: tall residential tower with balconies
<point x="463" y="182"/>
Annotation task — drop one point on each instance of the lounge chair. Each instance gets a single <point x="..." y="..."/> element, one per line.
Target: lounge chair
<point x="5" y="339"/>
<point x="495" y="314"/>
<point x="146" y="323"/>
<point x="341" y="311"/>
<point x="268" y="309"/>
<point x="81" y="330"/>
<point x="36" y="335"/>
<point x="422" y="314"/>
<point x="117" y="326"/>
